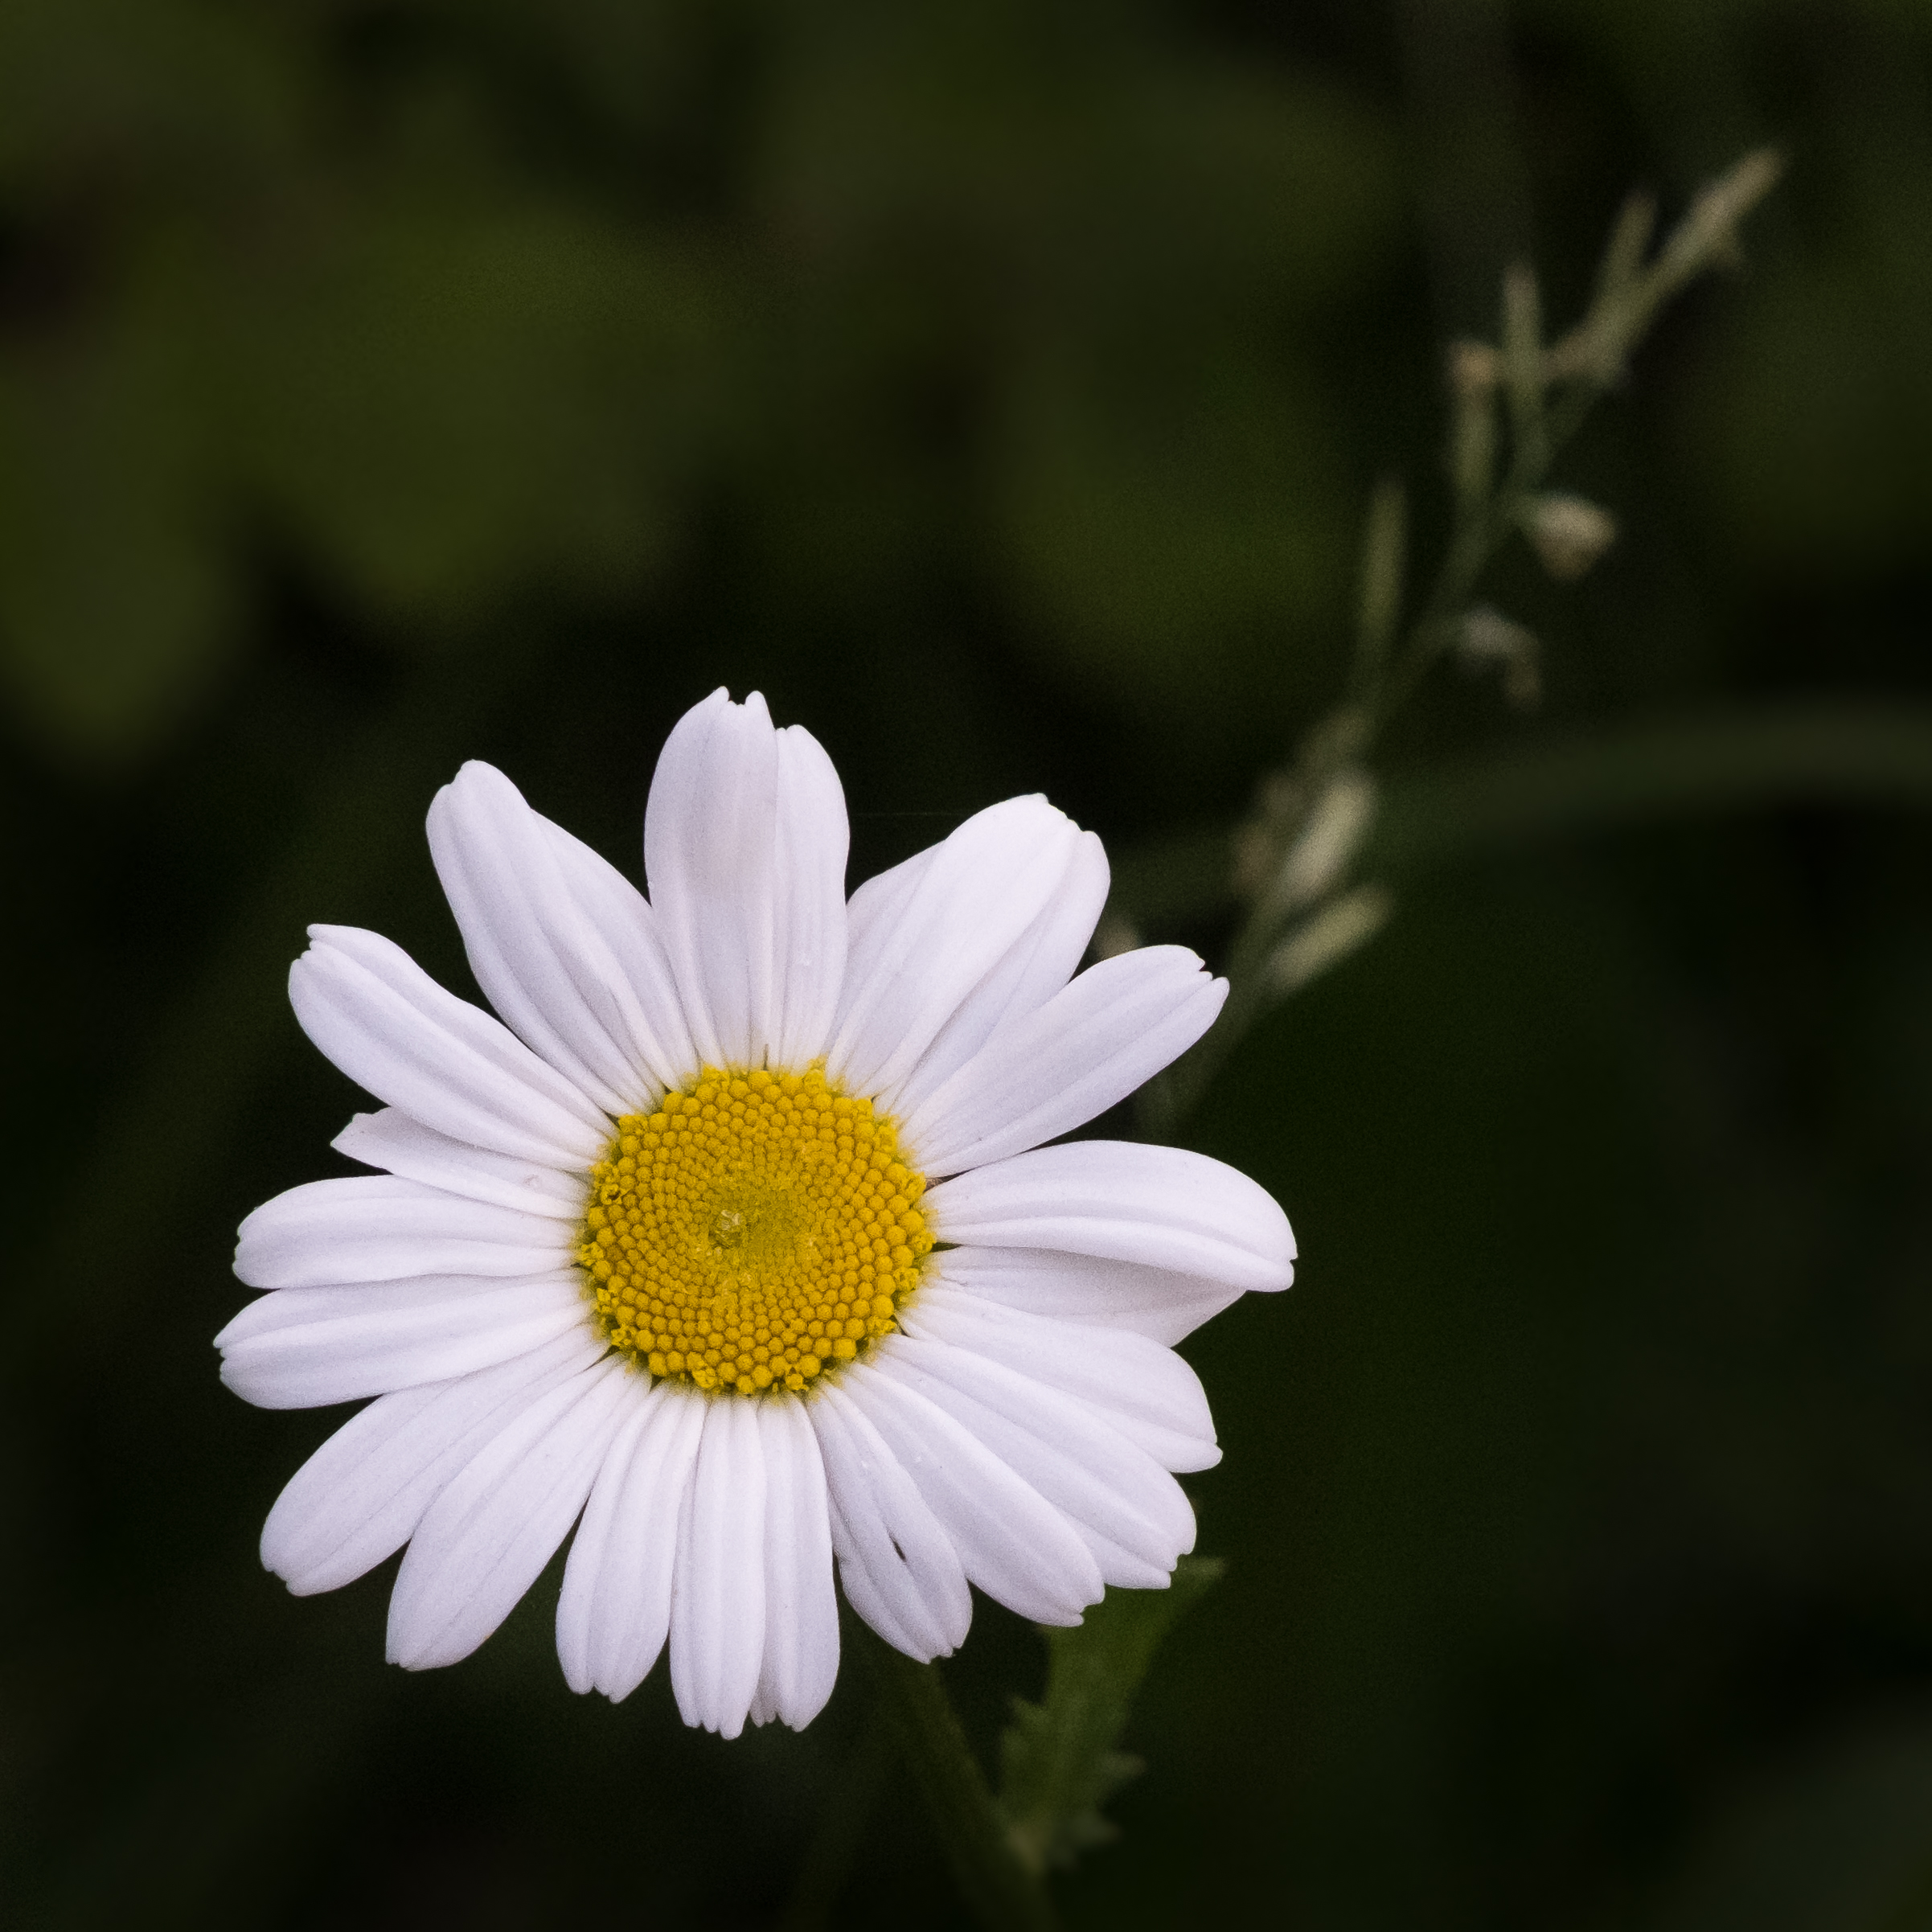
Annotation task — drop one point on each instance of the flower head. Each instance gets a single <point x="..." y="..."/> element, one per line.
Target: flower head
<point x="735" y="1240"/>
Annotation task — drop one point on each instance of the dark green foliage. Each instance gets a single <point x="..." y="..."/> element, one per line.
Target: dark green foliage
<point x="1001" y="388"/>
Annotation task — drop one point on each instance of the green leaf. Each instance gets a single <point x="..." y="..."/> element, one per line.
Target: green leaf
<point x="1058" y="1759"/>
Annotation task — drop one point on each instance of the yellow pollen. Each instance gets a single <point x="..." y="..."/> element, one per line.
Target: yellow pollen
<point x="752" y="1232"/>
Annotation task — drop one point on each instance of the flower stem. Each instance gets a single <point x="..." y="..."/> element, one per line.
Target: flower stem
<point x="1005" y="1897"/>
<point x="1550" y="392"/>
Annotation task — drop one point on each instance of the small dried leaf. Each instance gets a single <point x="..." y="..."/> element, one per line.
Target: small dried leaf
<point x="1329" y="937"/>
<point x="1568" y="533"/>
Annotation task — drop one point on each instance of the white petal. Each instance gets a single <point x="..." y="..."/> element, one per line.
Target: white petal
<point x="864" y="1597"/>
<point x="717" y="1604"/>
<point x="1055" y="1068"/>
<point x="1163" y="1207"/>
<point x="360" y="1496"/>
<point x="1091" y="1290"/>
<point x="302" y="1347"/>
<point x="1037" y="964"/>
<point x="1146" y="1392"/>
<point x="1019" y="1549"/>
<point x="486" y="1537"/>
<point x="380" y="1018"/>
<point x="375" y="1228"/>
<point x="614" y="1610"/>
<point x="635" y="939"/>
<point x="605" y="1017"/>
<point x="971" y="902"/>
<point x="874" y="910"/>
<point x="405" y="1147"/>
<point x="601" y="1524"/>
<point x="1130" y="1512"/>
<point x="808" y="916"/>
<point x="710" y="850"/>
<point x="1028" y="973"/>
<point x="801" y="1612"/>
<point x="899" y="1569"/>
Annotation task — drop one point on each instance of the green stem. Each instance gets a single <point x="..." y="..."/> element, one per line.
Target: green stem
<point x="1476" y="548"/>
<point x="1003" y="1895"/>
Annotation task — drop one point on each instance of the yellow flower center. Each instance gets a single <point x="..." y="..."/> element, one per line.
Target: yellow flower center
<point x="753" y="1232"/>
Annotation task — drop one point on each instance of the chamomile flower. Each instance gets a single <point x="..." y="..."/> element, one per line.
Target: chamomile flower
<point x="735" y="1240"/>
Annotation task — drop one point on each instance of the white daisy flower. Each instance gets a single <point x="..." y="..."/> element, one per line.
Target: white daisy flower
<point x="736" y="1238"/>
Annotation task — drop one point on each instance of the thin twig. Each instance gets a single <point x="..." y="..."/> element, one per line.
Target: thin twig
<point x="1550" y="392"/>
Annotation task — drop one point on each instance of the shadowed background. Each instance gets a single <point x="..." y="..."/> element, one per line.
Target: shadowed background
<point x="999" y="388"/>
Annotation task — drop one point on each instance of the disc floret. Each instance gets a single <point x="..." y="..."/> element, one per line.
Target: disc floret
<point x="755" y="1230"/>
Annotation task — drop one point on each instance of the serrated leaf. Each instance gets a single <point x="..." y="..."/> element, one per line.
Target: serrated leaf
<point x="1058" y="1759"/>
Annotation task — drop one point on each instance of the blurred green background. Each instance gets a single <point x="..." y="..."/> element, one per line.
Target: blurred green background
<point x="999" y="387"/>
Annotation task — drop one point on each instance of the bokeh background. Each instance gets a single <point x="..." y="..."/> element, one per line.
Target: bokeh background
<point x="998" y="387"/>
